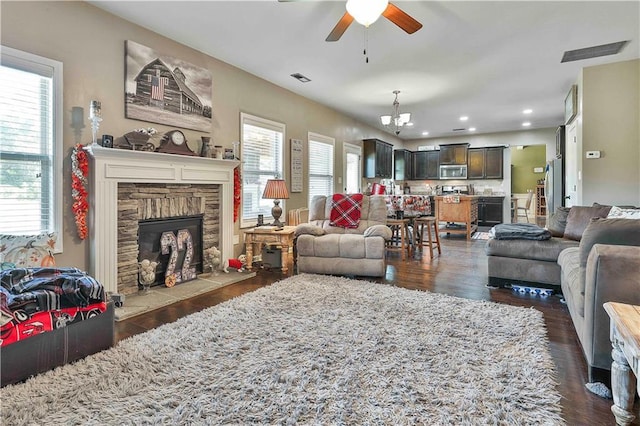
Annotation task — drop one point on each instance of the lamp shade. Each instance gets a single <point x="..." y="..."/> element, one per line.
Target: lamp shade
<point x="276" y="189"/>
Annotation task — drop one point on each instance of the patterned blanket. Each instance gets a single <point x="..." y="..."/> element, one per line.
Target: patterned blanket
<point x="35" y="300"/>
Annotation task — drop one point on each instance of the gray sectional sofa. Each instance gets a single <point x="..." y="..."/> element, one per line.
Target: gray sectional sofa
<point x="591" y="259"/>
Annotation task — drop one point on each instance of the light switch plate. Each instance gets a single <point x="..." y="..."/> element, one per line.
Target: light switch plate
<point x="593" y="154"/>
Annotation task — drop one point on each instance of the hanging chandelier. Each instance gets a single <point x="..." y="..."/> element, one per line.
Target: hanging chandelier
<point x="396" y="120"/>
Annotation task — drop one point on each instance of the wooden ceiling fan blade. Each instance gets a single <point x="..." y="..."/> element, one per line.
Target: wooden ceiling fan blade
<point x="340" y="27"/>
<point x="401" y="19"/>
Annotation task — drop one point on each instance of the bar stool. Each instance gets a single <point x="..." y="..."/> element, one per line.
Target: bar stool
<point x="432" y="224"/>
<point x="399" y="236"/>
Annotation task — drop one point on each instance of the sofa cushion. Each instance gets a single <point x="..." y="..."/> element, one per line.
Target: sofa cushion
<point x="378" y="231"/>
<point x="308" y="229"/>
<point x="579" y="217"/>
<point x="569" y="261"/>
<point x="546" y="250"/>
<point x="623" y="213"/>
<point x="558" y="221"/>
<point x="609" y="231"/>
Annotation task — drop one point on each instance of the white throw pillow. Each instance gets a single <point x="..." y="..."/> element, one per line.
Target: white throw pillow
<point x="619" y="213"/>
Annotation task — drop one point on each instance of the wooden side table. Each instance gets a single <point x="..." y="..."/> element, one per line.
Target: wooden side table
<point x="625" y="338"/>
<point x="282" y="238"/>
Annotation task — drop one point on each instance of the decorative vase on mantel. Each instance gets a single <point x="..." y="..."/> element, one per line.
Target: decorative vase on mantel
<point x="205" y="150"/>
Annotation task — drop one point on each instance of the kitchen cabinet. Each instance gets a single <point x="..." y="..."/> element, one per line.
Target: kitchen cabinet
<point x="475" y="163"/>
<point x="426" y="165"/>
<point x="403" y="164"/>
<point x="490" y="211"/>
<point x="378" y="159"/>
<point x="485" y="163"/>
<point x="455" y="154"/>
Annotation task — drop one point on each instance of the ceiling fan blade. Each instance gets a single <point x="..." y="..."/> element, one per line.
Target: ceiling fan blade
<point x="340" y="27"/>
<point x="401" y="19"/>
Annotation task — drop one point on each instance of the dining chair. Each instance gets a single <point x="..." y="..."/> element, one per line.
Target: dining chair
<point x="524" y="211"/>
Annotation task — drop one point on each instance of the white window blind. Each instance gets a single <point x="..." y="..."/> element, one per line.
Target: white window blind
<point x="262" y="158"/>
<point x="320" y="165"/>
<point x="30" y="144"/>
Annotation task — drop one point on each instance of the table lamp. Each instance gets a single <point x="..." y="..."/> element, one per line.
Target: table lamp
<point x="276" y="190"/>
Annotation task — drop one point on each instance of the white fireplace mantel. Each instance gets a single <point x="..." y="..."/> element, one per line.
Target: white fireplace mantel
<point x="113" y="166"/>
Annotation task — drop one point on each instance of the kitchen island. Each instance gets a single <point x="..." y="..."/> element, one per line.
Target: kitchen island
<point x="459" y="212"/>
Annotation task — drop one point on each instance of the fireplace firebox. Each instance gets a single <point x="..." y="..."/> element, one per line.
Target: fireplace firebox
<point x="175" y="243"/>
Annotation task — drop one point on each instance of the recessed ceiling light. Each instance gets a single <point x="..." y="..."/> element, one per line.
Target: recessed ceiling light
<point x="472" y="129"/>
<point x="464" y="118"/>
<point x="526" y="124"/>
<point x="425" y="133"/>
<point x="527" y="111"/>
<point x="409" y="124"/>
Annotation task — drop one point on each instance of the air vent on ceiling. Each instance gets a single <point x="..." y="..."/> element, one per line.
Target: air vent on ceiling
<point x="593" y="51"/>
<point x="458" y="130"/>
<point x="301" y="77"/>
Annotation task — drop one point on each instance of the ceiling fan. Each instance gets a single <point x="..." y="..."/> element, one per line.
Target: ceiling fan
<point x="366" y="12"/>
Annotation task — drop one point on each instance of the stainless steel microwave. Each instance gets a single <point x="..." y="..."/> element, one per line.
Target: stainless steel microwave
<point x="453" y="172"/>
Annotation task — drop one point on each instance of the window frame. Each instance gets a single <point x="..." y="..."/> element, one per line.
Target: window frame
<point x="318" y="138"/>
<point x="246" y="222"/>
<point x="29" y="62"/>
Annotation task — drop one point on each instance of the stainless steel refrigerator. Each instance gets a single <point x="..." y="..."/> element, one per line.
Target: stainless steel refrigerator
<point x="554" y="186"/>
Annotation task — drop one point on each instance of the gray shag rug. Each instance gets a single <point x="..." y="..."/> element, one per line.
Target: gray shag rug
<point x="312" y="350"/>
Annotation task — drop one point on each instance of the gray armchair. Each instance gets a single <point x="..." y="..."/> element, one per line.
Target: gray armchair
<point x="326" y="249"/>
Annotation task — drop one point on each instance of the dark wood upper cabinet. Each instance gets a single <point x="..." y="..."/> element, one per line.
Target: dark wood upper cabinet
<point x="485" y="163"/>
<point x="378" y="159"/>
<point x="455" y="154"/>
<point x="475" y="165"/>
<point x="425" y="165"/>
<point x="433" y="165"/>
<point x="402" y="161"/>
<point x="493" y="163"/>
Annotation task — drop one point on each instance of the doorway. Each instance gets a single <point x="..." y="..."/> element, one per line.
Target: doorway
<point x="352" y="155"/>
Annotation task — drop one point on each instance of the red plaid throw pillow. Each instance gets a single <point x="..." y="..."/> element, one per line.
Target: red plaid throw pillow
<point x="346" y="210"/>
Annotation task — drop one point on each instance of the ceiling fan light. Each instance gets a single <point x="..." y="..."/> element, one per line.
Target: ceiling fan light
<point x="386" y="120"/>
<point x="366" y="12"/>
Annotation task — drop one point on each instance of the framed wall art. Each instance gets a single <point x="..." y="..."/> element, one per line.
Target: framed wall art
<point x="571" y="104"/>
<point x="296" y="165"/>
<point x="162" y="89"/>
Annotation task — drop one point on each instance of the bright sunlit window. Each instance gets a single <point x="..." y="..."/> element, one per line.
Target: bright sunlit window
<point x="320" y="165"/>
<point x="262" y="158"/>
<point x="30" y="144"/>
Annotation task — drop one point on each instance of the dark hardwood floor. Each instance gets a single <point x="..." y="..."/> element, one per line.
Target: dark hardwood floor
<point x="460" y="271"/>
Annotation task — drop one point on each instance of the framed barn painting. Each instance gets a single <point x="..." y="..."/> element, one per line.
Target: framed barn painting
<point x="166" y="90"/>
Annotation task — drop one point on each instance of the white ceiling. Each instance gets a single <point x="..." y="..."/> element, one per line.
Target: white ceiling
<point x="486" y="60"/>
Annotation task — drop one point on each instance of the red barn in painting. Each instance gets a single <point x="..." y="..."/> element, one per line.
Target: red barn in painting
<point x="157" y="86"/>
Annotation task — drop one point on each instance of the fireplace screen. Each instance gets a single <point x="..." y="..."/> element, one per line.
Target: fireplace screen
<point x="175" y="243"/>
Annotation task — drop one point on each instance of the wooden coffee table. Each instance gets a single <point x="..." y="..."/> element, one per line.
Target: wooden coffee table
<point x="625" y="338"/>
<point x="282" y="238"/>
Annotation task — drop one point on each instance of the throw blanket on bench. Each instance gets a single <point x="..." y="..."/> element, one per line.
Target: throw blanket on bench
<point x="35" y="300"/>
<point x="519" y="231"/>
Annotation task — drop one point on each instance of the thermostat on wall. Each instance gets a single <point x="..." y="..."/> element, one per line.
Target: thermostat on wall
<point x="538" y="169"/>
<point x="593" y="154"/>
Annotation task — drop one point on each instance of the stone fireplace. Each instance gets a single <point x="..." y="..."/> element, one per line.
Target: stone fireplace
<point x="147" y="209"/>
<point x="129" y="187"/>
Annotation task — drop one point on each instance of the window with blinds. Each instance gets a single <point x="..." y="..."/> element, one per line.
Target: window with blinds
<point x="320" y="165"/>
<point x="262" y="158"/>
<point x="30" y="144"/>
